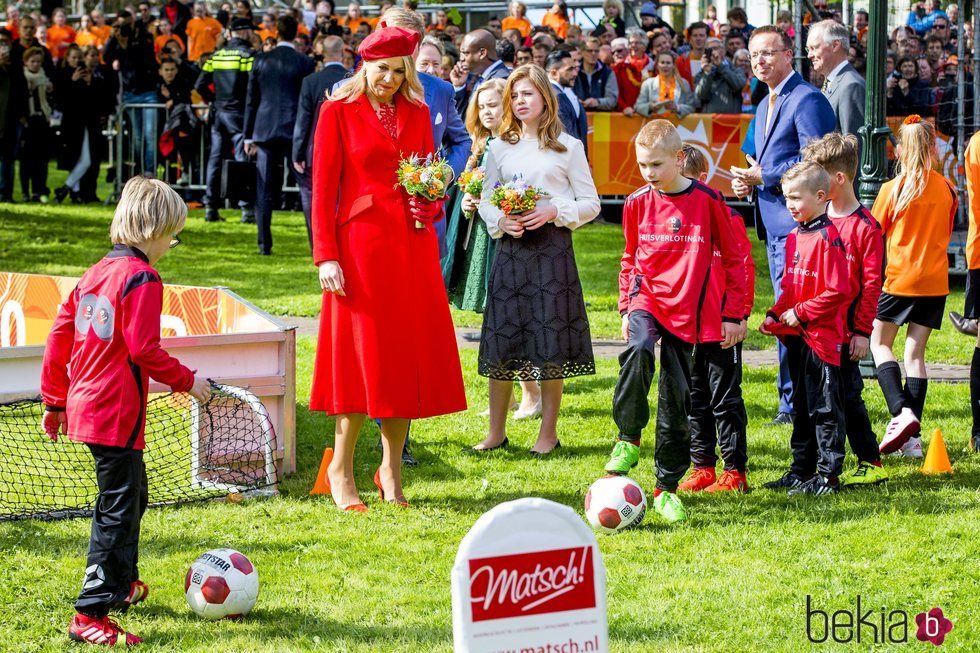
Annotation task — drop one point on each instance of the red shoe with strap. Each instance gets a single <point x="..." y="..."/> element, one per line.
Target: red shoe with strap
<point x="730" y="481"/>
<point x="700" y="478"/>
<point x="100" y="630"/>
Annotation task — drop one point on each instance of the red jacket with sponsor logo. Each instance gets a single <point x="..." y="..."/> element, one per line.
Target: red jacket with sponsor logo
<point x="666" y="265"/>
<point x="711" y="329"/>
<point x="103" y="346"/>
<point x="865" y="250"/>
<point x="817" y="286"/>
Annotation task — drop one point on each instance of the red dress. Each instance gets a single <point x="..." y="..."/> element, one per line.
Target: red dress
<point x="387" y="349"/>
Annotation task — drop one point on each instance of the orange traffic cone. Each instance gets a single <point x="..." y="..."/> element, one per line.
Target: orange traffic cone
<point x="321" y="485"/>
<point x="937" y="460"/>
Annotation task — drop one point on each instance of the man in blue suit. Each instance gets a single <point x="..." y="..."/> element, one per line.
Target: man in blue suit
<point x="311" y="96"/>
<point x="270" y="111"/>
<point x="795" y="113"/>
<point x="563" y="71"/>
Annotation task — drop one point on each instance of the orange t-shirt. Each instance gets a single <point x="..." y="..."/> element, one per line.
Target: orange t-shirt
<point x="202" y="36"/>
<point x="14" y="31"/>
<point x="88" y="37"/>
<point x="556" y="23"/>
<point x="523" y="25"/>
<point x="58" y="40"/>
<point x="972" y="161"/>
<point x="916" y="239"/>
<point x="354" y="23"/>
<point x="161" y="41"/>
<point x="267" y="33"/>
<point x="103" y="32"/>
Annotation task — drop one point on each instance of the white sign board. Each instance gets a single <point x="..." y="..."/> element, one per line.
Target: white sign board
<point x="529" y="577"/>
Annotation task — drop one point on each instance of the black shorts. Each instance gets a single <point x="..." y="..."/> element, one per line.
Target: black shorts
<point x="926" y="311"/>
<point x="972" y="304"/>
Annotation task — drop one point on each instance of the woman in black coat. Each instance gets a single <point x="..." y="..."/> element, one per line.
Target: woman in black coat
<point x="84" y="101"/>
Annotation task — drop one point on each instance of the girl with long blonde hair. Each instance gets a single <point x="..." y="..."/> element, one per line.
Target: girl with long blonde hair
<point x="535" y="327"/>
<point x="916" y="210"/>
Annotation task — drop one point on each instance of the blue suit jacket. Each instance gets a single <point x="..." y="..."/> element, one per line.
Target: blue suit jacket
<point x="577" y="126"/>
<point x="311" y="96"/>
<point x="273" y="94"/>
<point x="801" y="113"/>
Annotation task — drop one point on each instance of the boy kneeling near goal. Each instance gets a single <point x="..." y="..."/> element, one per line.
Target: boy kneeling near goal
<point x="108" y="330"/>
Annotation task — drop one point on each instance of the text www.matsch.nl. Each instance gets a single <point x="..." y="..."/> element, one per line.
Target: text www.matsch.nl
<point x="569" y="646"/>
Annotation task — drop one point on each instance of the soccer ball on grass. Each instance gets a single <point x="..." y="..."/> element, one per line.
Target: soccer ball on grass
<point x="614" y="503"/>
<point x="221" y="584"/>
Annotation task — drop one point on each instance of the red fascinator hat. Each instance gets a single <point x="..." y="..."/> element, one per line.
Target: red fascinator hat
<point x="389" y="42"/>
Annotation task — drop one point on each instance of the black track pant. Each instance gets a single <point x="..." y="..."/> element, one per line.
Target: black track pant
<point x="716" y="401"/>
<point x="818" y="425"/>
<point x="631" y="410"/>
<point x="857" y="424"/>
<point x="112" y="548"/>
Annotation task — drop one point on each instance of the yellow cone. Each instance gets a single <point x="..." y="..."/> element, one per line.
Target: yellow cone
<point x="937" y="460"/>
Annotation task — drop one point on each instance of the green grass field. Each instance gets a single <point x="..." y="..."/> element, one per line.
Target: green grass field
<point x="735" y="578"/>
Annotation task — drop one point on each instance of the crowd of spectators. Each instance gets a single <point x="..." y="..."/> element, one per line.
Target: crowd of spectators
<point x="60" y="80"/>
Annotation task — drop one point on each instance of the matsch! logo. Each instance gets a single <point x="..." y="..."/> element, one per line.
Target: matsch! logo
<point x="532" y="583"/>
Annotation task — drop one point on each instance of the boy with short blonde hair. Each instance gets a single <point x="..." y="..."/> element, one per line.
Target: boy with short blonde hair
<point x="865" y="250"/>
<point x="108" y="329"/>
<point x="672" y="227"/>
<point x="809" y="318"/>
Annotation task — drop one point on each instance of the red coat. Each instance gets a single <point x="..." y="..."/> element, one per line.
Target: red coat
<point x="387" y="349"/>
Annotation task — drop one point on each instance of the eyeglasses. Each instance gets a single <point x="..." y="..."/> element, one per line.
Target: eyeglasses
<point x="174" y="241"/>
<point x="940" y="25"/>
<point x="766" y="54"/>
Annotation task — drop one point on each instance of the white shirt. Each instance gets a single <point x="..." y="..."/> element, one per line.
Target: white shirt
<point x="779" y="87"/>
<point x="570" y="94"/>
<point x="564" y="177"/>
<point x="836" y="71"/>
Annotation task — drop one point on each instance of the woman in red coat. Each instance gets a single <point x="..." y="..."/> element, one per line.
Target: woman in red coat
<point x="387" y="347"/>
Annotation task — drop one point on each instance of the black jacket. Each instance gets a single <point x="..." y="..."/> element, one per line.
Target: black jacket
<point x="577" y="126"/>
<point x="137" y="62"/>
<point x="311" y="96"/>
<point x="273" y="94"/>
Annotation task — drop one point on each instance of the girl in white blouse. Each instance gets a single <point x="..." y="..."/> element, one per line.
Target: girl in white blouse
<point x="535" y="326"/>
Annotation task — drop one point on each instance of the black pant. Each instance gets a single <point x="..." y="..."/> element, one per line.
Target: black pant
<point x="818" y="424"/>
<point x="227" y="141"/>
<point x="631" y="410"/>
<point x="9" y="151"/>
<point x="305" y="183"/>
<point x="716" y="400"/>
<point x="268" y="185"/>
<point x="112" y="548"/>
<point x="34" y="157"/>
<point x="857" y="424"/>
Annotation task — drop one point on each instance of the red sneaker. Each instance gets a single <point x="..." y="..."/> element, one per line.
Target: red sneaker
<point x="93" y="630"/>
<point x="700" y="478"/>
<point x="730" y="481"/>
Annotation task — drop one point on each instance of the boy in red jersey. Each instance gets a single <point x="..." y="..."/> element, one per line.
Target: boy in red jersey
<point x="865" y="250"/>
<point x="809" y="317"/>
<point x="672" y="227"/>
<point x="716" y="390"/>
<point x="108" y="333"/>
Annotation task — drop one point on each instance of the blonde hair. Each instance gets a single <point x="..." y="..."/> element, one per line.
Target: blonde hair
<point x="660" y="135"/>
<point x="695" y="163"/>
<point x="549" y="126"/>
<point x="917" y="144"/>
<point x="809" y="174"/>
<point x="356" y="86"/>
<point x="401" y="17"/>
<point x="148" y="209"/>
<point x="474" y="126"/>
<point x="835" y="152"/>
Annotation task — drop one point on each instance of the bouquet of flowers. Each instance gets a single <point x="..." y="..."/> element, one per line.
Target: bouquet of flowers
<point x="428" y="178"/>
<point x="515" y="197"/>
<point x="471" y="182"/>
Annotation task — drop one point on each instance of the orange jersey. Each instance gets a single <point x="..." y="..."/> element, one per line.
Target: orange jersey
<point x="354" y="23"/>
<point x="268" y="33"/>
<point x="522" y="25"/>
<point x="88" y="37"/>
<point x="202" y="36"/>
<point x="558" y="24"/>
<point x="58" y="40"/>
<point x="102" y="31"/>
<point x="916" y="239"/>
<point x="161" y="41"/>
<point x="973" y="191"/>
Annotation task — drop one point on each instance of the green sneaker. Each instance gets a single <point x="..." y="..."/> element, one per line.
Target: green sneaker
<point x="670" y="507"/>
<point x="624" y="458"/>
<point x="865" y="474"/>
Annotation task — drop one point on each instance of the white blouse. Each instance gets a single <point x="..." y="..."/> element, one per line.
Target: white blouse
<point x="564" y="176"/>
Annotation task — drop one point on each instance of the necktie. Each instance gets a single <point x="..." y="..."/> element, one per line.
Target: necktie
<point x="826" y="86"/>
<point x="772" y="103"/>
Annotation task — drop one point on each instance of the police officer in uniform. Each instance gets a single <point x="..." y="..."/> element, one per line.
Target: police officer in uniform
<point x="228" y="68"/>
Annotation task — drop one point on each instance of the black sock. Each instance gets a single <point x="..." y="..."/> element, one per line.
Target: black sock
<point x="975" y="391"/>
<point x="915" y="389"/>
<point x="890" y="380"/>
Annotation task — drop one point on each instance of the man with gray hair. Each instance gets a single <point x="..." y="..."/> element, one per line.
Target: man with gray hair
<point x="827" y="46"/>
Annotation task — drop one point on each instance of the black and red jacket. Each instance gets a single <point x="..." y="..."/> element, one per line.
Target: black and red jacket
<point x="817" y="286"/>
<point x="103" y="346"/>
<point x="667" y="261"/>
<point x="865" y="250"/>
<point x="711" y="330"/>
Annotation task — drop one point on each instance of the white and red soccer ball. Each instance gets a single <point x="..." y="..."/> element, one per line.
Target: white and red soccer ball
<point x="221" y="584"/>
<point x="614" y="503"/>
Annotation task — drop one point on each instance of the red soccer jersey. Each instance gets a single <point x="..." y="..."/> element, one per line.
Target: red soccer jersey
<point x="108" y="334"/>
<point x="666" y="265"/>
<point x="817" y="286"/>
<point x="865" y="250"/>
<point x="711" y="330"/>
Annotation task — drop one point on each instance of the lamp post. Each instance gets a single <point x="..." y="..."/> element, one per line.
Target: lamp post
<point x="875" y="132"/>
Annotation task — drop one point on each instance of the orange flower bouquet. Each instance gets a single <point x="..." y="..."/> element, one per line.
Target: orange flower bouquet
<point x="515" y="197"/>
<point x="428" y="178"/>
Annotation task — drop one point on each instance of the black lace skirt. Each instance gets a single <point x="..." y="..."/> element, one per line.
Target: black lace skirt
<point x="535" y="326"/>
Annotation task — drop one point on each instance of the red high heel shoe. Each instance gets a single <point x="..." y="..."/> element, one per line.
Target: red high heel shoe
<point x="381" y="491"/>
<point x="353" y="507"/>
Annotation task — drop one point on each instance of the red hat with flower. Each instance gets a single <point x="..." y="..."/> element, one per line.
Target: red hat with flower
<point x="389" y="42"/>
